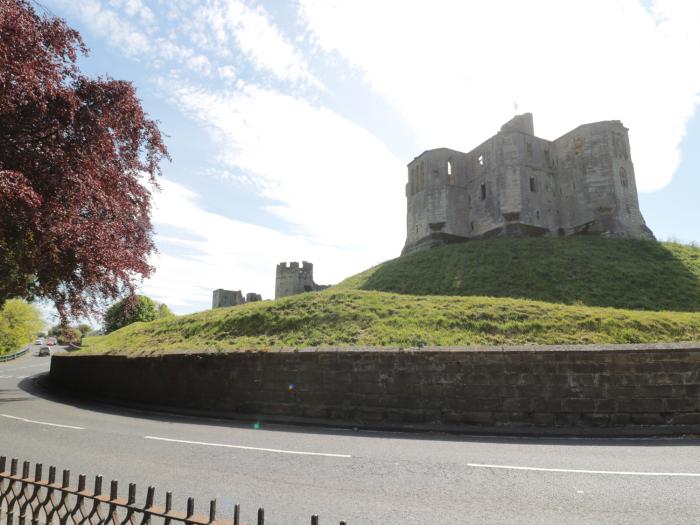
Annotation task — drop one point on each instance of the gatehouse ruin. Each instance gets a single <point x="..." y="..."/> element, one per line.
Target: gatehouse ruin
<point x="222" y="298"/>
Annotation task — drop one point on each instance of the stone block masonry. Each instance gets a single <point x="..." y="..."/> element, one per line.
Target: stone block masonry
<point x="503" y="387"/>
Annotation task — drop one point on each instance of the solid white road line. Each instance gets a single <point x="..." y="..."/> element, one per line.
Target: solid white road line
<point x="41" y="422"/>
<point x="577" y="471"/>
<point x="241" y="447"/>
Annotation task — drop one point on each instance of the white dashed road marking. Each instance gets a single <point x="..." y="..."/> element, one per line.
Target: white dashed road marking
<point x="41" y="422"/>
<point x="576" y="471"/>
<point x="241" y="447"/>
<point x="22" y="368"/>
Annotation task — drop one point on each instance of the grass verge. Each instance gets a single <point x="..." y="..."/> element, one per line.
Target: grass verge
<point x="370" y="318"/>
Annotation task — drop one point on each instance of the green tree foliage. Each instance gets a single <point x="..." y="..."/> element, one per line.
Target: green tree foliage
<point x="19" y="323"/>
<point x="164" y="311"/>
<point x="69" y="335"/>
<point x="84" y="329"/>
<point x="130" y="310"/>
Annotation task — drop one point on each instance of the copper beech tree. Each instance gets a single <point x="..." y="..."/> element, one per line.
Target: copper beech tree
<point x="78" y="161"/>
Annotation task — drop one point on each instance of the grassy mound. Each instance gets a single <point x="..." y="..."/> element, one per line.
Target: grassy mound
<point x="354" y="317"/>
<point x="595" y="271"/>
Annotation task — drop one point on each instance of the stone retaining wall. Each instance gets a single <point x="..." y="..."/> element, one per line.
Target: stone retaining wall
<point x="593" y="386"/>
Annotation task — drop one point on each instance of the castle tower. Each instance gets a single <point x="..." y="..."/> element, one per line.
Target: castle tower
<point x="292" y="279"/>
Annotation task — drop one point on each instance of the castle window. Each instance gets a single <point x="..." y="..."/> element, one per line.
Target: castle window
<point x="528" y="146"/>
<point x="546" y="157"/>
<point x="481" y="160"/>
<point x="623" y="177"/>
<point x="532" y="184"/>
<point x="451" y="179"/>
<point x="450" y="170"/>
<point x="472" y="226"/>
<point x="537" y="214"/>
<point x="483" y="192"/>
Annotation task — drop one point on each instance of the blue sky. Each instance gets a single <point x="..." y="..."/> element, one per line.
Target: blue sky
<point x="290" y="123"/>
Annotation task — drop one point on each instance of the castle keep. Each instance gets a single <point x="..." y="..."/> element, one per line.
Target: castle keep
<point x="517" y="184"/>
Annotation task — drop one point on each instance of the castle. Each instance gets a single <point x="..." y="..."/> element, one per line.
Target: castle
<point x="292" y="279"/>
<point x="517" y="184"/>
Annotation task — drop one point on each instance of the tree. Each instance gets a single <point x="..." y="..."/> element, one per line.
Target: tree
<point x="164" y="311"/>
<point x="69" y="335"/>
<point x="78" y="160"/>
<point x="130" y="310"/>
<point x="19" y="324"/>
<point x="84" y="329"/>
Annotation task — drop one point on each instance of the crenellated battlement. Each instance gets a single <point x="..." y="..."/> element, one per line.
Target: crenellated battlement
<point x="292" y="279"/>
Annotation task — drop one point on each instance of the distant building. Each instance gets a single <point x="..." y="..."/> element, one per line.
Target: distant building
<point x="291" y="279"/>
<point x="221" y="298"/>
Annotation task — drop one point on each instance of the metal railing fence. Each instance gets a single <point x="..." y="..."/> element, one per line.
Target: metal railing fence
<point x="32" y="500"/>
<point x="10" y="357"/>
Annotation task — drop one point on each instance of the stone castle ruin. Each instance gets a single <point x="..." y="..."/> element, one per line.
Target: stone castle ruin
<point x="517" y="184"/>
<point x="291" y="279"/>
<point x="222" y="298"/>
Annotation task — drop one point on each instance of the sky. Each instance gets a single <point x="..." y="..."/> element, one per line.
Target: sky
<point x="290" y="124"/>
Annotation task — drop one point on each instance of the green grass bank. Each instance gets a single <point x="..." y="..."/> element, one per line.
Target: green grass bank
<point x="355" y="317"/>
<point x="509" y="291"/>
<point x="594" y="271"/>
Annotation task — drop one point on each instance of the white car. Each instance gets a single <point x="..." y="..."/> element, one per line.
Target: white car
<point x="44" y="351"/>
<point x="39" y="341"/>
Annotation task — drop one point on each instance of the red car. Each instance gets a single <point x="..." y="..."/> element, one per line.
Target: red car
<point x="51" y="341"/>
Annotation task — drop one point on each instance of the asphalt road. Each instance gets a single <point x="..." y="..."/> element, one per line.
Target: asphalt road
<point x="362" y="477"/>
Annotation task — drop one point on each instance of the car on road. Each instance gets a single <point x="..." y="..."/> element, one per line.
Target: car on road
<point x="51" y="341"/>
<point x="39" y="341"/>
<point x="44" y="351"/>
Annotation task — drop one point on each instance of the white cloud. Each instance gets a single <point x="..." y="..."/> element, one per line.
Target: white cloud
<point x="217" y="25"/>
<point x="227" y="73"/>
<point x="335" y="180"/>
<point x="120" y="33"/>
<point x="135" y="8"/>
<point x="223" y="253"/>
<point x="454" y="70"/>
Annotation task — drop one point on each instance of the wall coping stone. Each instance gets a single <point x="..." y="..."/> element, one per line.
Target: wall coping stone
<point x="631" y="347"/>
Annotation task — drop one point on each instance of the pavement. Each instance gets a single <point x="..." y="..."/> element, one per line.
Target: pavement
<point x="360" y="477"/>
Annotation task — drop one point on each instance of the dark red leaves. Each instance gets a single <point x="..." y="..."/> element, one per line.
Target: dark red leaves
<point x="78" y="158"/>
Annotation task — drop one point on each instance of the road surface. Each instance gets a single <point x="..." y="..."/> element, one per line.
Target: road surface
<point x="362" y="477"/>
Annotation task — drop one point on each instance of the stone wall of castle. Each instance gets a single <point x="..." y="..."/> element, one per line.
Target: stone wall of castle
<point x="222" y="298"/>
<point x="517" y="184"/>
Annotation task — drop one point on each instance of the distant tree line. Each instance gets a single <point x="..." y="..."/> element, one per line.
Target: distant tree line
<point x="137" y="308"/>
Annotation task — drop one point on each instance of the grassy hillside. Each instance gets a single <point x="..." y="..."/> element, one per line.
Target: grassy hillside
<point x="594" y="271"/>
<point x="357" y="317"/>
